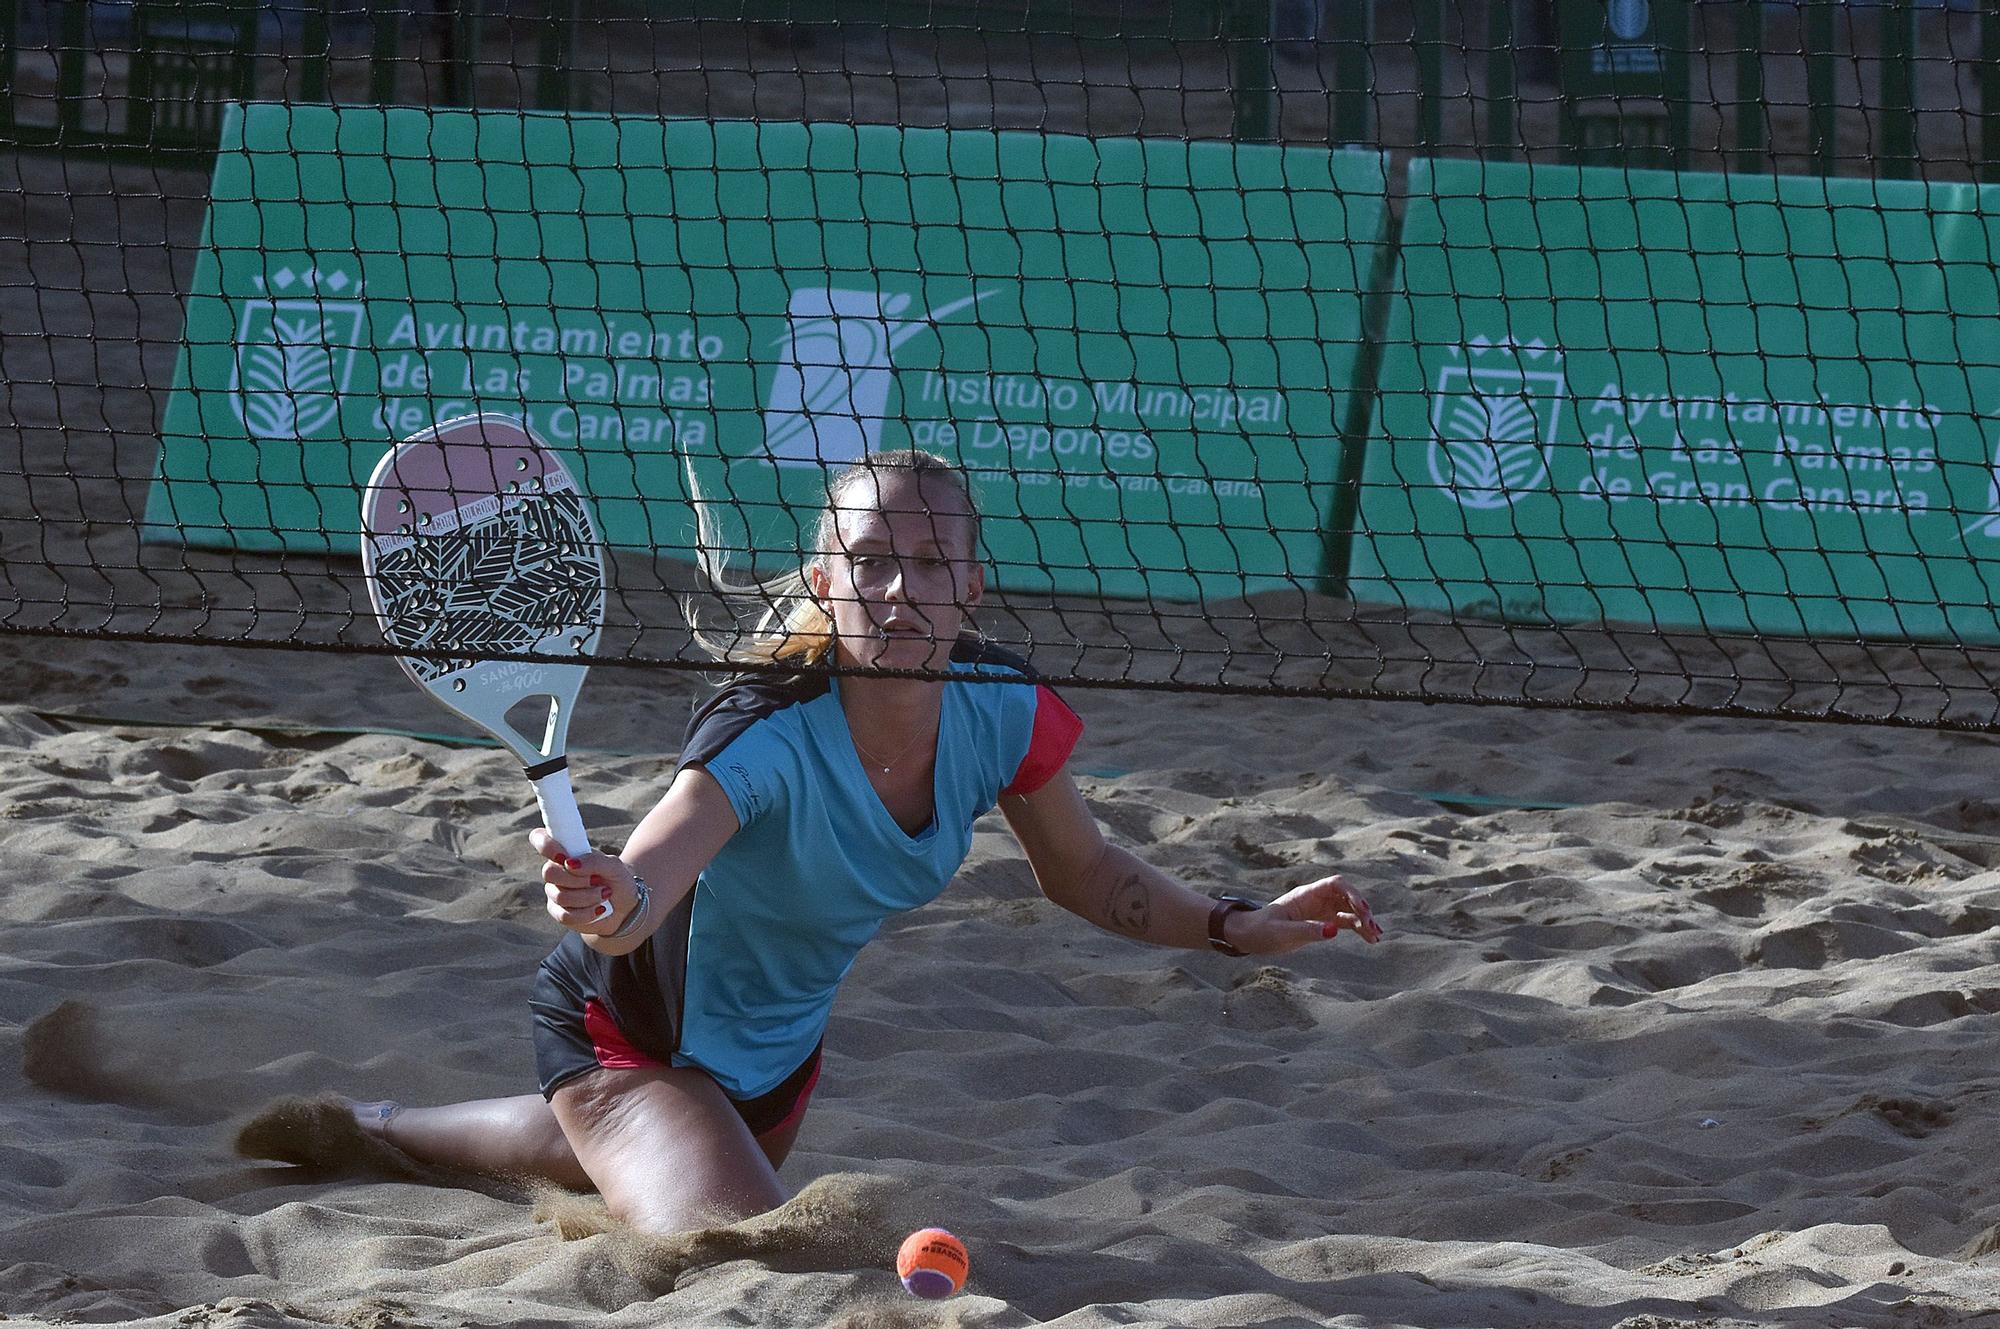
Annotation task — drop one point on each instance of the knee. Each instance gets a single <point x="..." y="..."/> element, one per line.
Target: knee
<point x="592" y="1117"/>
<point x="592" y="1102"/>
<point x="665" y="1149"/>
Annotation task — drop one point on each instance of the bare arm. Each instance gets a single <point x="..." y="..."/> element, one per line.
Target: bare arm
<point x="1120" y="892"/>
<point x="681" y="835"/>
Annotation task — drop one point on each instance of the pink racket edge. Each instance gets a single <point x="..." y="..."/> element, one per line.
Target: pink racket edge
<point x="448" y="466"/>
<point x="457" y="462"/>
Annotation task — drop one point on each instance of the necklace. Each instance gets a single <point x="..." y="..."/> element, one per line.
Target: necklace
<point x="878" y="763"/>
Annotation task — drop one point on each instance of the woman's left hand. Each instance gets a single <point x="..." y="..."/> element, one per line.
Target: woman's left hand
<point x="1301" y="916"/>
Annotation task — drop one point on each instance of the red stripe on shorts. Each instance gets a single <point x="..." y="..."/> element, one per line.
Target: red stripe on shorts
<point x="614" y="1052"/>
<point x="798" y="1107"/>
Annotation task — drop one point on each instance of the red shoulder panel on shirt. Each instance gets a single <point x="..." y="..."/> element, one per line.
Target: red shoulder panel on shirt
<point x="1057" y="729"/>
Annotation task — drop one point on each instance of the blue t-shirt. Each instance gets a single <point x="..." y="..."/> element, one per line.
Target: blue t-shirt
<point x="740" y="979"/>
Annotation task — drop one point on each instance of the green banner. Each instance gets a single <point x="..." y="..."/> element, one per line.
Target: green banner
<point x="1140" y="348"/>
<point x="1690" y="401"/>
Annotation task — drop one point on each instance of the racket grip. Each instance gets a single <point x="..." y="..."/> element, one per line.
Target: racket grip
<point x="564" y="822"/>
<point x="559" y="812"/>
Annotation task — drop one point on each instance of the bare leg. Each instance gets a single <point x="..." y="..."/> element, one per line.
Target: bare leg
<point x="666" y="1148"/>
<point x="514" y="1137"/>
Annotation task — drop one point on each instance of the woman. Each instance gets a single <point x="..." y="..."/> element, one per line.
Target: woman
<point x="677" y="1037"/>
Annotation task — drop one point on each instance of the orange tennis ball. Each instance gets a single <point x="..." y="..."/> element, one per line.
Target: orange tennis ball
<point x="932" y="1264"/>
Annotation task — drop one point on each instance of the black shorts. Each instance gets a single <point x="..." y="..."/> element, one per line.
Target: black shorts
<point x="576" y="1032"/>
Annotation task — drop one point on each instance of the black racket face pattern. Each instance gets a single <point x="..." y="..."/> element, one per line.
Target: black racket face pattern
<point x="516" y="575"/>
<point x="476" y="539"/>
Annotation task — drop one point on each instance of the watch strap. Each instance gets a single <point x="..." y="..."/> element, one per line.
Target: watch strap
<point x="1225" y="905"/>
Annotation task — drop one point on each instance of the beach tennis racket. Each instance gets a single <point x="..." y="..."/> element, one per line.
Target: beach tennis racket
<point x="475" y="538"/>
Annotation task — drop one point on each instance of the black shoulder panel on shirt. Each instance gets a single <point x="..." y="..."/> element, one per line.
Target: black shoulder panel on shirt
<point x="739" y="704"/>
<point x="976" y="650"/>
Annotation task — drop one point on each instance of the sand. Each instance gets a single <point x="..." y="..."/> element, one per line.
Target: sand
<point x="1676" y="1023"/>
<point x="1703" y="1039"/>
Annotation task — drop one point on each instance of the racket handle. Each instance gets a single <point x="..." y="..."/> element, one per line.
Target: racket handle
<point x="564" y="822"/>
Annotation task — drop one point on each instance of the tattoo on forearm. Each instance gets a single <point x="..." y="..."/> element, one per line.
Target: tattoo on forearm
<point x="1128" y="906"/>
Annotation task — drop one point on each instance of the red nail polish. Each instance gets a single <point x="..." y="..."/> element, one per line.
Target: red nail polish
<point x="572" y="864"/>
<point x="1329" y="930"/>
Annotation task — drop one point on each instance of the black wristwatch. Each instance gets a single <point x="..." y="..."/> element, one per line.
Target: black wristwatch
<point x="1225" y="905"/>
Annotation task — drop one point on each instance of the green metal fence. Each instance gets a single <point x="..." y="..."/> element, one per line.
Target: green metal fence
<point x="1664" y="83"/>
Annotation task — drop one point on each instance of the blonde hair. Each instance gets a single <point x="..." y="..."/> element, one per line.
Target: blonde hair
<point x="778" y="620"/>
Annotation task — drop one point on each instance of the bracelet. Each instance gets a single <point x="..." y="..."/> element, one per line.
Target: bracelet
<point x="638" y="914"/>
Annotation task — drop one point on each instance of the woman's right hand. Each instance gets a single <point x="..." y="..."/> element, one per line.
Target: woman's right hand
<point x="578" y="885"/>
